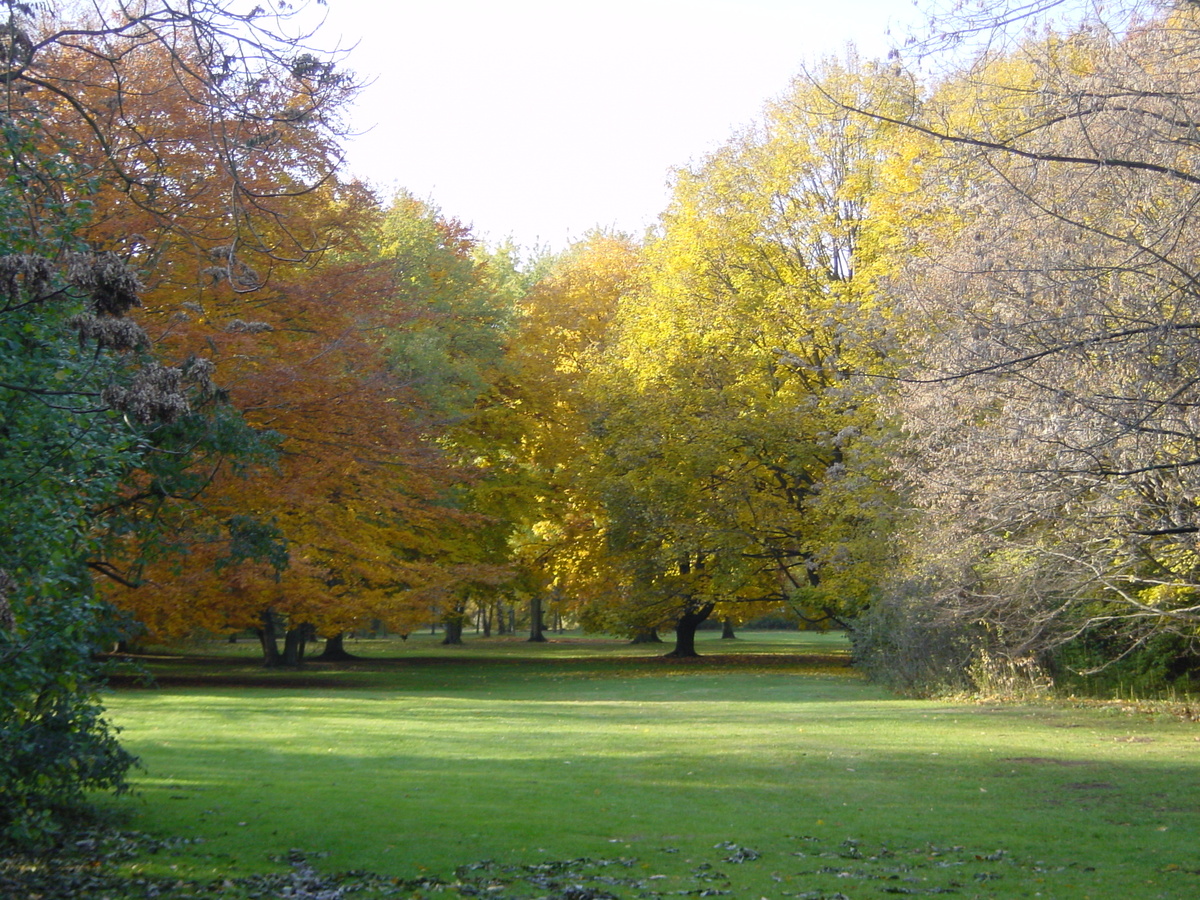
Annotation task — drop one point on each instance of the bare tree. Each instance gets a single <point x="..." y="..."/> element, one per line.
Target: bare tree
<point x="1055" y="408"/>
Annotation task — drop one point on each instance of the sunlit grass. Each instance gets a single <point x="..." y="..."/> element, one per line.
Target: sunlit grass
<point x="524" y="756"/>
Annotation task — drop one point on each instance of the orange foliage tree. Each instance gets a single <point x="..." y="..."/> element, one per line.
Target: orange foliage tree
<point x="210" y="147"/>
<point x="363" y="495"/>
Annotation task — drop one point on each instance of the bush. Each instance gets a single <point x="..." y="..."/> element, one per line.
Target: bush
<point x="55" y="745"/>
<point x="910" y="646"/>
<point x="60" y="463"/>
<point x="1093" y="664"/>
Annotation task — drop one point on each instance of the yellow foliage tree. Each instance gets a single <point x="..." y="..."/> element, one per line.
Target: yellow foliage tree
<point x="562" y="327"/>
<point x="739" y="428"/>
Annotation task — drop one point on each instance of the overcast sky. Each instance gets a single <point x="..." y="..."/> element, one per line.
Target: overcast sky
<point x="539" y="119"/>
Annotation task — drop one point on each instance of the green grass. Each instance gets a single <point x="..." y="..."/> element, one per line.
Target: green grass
<point x="440" y="757"/>
<point x="571" y="644"/>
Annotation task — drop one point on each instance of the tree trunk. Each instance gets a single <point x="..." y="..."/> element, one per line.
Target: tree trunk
<point x="685" y="631"/>
<point x="536" y="629"/>
<point x="335" y="649"/>
<point x="268" y="638"/>
<point x="647" y="636"/>
<point x="453" y="628"/>
<point x="485" y="613"/>
<point x="293" y="647"/>
<point x="294" y="642"/>
<point x="727" y="630"/>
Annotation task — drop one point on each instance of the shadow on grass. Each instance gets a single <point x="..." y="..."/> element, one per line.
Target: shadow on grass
<point x="133" y="671"/>
<point x="427" y="763"/>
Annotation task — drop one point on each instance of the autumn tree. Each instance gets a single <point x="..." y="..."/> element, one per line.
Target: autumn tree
<point x="1049" y="250"/>
<point x="740" y="446"/>
<point x="356" y="368"/>
<point x="562" y="325"/>
<point x="205" y="119"/>
<point x="96" y="428"/>
<point x="216" y="174"/>
<point x="353" y="475"/>
<point x="81" y="403"/>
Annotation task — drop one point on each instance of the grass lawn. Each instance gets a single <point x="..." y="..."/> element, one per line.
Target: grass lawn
<point x="765" y="769"/>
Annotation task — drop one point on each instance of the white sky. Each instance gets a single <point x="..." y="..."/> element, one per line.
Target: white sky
<point x="540" y="119"/>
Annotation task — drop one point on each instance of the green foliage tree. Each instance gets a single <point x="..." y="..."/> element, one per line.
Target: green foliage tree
<point x="66" y="450"/>
<point x="452" y="352"/>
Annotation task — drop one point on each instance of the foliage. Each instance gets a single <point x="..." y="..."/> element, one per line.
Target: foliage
<point x="563" y="323"/>
<point x="106" y="441"/>
<point x="453" y="355"/>
<point x="738" y="439"/>
<point x="97" y="439"/>
<point x="1100" y="665"/>
<point x="902" y="641"/>
<point x="55" y="744"/>
<point x="261" y="260"/>
<point x="204" y="122"/>
<point x="455" y="342"/>
<point x="363" y="493"/>
<point x="63" y="456"/>
<point x="1045" y="266"/>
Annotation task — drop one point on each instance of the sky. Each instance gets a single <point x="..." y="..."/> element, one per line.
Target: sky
<point x="538" y="120"/>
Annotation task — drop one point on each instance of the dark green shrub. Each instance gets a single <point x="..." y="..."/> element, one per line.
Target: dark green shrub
<point x="63" y="458"/>
<point x="1098" y="664"/>
<point x="55" y="745"/>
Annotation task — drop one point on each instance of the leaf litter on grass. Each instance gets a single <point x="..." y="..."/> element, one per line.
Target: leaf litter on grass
<point x="92" y="867"/>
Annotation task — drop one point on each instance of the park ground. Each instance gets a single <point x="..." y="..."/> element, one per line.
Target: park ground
<point x="589" y="769"/>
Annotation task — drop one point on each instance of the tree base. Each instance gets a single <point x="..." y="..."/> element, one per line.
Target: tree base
<point x="681" y="654"/>
<point x="340" y="655"/>
<point x="647" y="637"/>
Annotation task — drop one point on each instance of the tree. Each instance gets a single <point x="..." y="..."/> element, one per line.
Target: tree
<point x="562" y="325"/>
<point x="79" y="405"/>
<point x="205" y="119"/>
<point x="1050" y="245"/>
<point x="740" y="447"/>
<point x="362" y="495"/>
<point x="205" y="139"/>
<point x="95" y="430"/>
<point x="217" y="175"/>
<point x="455" y="355"/>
